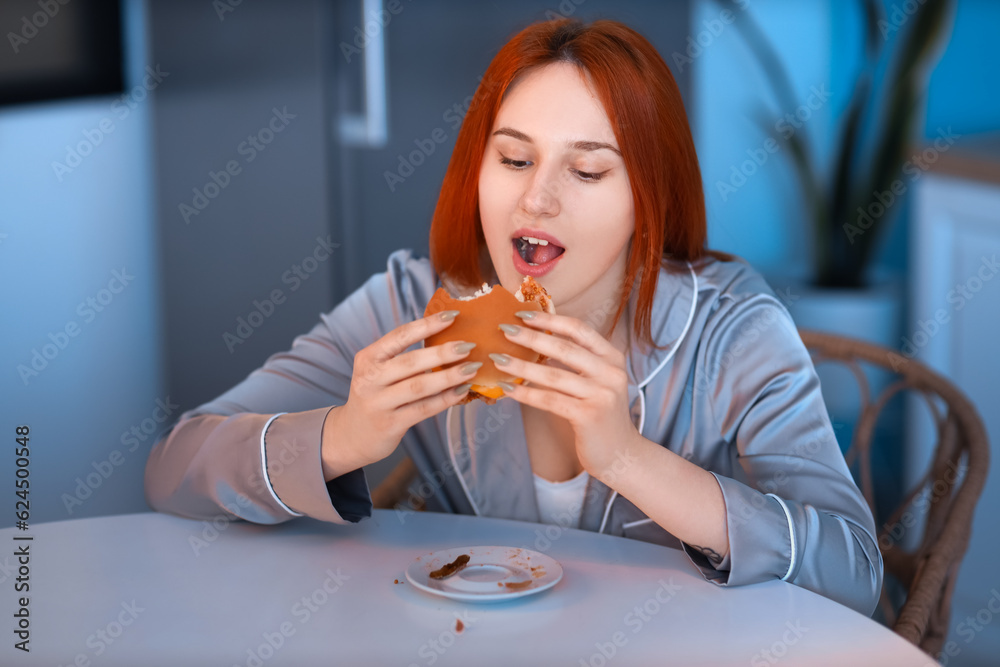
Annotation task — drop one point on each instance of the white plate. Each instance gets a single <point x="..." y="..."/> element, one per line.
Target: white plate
<point x="486" y="577"/>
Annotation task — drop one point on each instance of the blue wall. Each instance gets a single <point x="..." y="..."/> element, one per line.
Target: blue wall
<point x="62" y="242"/>
<point x="965" y="87"/>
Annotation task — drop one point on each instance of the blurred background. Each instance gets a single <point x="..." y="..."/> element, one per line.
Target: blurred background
<point x="187" y="184"/>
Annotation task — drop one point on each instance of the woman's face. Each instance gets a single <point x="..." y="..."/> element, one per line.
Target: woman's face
<point x="553" y="172"/>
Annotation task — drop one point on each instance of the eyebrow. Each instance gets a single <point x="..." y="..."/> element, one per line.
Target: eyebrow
<point x="578" y="145"/>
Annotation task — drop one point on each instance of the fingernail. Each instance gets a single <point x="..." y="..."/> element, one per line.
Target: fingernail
<point x="506" y="386"/>
<point x="448" y="315"/>
<point x="470" y="368"/>
<point x="500" y="359"/>
<point x="463" y="389"/>
<point x="526" y="314"/>
<point x="512" y="329"/>
<point x="463" y="348"/>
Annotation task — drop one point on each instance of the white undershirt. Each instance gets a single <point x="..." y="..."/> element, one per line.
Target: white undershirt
<point x="561" y="503"/>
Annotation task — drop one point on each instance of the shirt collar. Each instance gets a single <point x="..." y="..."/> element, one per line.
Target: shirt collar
<point x="673" y="309"/>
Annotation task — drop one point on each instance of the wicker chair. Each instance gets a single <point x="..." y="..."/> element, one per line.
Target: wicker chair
<point x="394" y="489"/>
<point x="928" y="572"/>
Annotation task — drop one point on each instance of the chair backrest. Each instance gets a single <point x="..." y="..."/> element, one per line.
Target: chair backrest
<point x="394" y="489"/>
<point x="953" y="482"/>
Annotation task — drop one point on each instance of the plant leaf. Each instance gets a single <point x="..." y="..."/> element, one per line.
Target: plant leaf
<point x="926" y="29"/>
<point x="780" y="84"/>
<point x="846" y="151"/>
<point x="873" y="14"/>
<point x="777" y="77"/>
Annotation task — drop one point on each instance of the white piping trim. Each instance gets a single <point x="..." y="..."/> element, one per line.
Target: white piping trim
<point x="633" y="524"/>
<point x="607" y="511"/>
<point x="642" y="385"/>
<point x="687" y="325"/>
<point x="791" y="536"/>
<point x="263" y="465"/>
<point x="454" y="463"/>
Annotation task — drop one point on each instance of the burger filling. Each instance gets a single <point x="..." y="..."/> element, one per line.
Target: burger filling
<point x="483" y="291"/>
<point x="537" y="251"/>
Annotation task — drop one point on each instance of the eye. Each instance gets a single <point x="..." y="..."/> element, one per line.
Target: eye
<point x="517" y="165"/>
<point x="589" y="176"/>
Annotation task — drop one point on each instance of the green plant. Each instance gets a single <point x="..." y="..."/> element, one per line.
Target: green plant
<point x="864" y="167"/>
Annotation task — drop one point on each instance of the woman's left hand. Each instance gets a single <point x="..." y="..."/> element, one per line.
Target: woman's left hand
<point x="591" y="392"/>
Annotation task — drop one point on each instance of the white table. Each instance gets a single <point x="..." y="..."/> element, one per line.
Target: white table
<point x="150" y="589"/>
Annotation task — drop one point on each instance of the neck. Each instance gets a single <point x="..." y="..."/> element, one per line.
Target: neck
<point x="620" y="337"/>
<point x="600" y="318"/>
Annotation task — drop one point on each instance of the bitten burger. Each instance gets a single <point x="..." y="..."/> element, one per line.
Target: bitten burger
<point x="479" y="319"/>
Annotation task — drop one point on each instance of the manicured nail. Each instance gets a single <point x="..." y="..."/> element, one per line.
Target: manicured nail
<point x="500" y="359"/>
<point x="463" y="348"/>
<point x="526" y="314"/>
<point x="462" y="389"/>
<point x="470" y="368"/>
<point x="448" y="315"/>
<point x="506" y="386"/>
<point x="512" y="329"/>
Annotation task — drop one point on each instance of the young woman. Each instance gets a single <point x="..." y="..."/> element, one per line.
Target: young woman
<point x="677" y="405"/>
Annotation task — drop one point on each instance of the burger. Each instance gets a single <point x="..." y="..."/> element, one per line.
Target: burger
<point x="479" y="320"/>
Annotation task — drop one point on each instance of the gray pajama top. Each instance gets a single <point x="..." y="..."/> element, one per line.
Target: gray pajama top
<point x="732" y="389"/>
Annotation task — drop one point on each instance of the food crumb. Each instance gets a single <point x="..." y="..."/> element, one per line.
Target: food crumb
<point x="451" y="568"/>
<point x="395" y="581"/>
<point x="459" y="626"/>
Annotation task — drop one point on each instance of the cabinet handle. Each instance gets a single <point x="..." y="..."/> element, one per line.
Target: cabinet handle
<point x="370" y="128"/>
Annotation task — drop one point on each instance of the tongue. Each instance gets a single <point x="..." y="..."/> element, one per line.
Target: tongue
<point x="540" y="254"/>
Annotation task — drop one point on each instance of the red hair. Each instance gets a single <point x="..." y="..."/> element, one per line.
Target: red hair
<point x="647" y="114"/>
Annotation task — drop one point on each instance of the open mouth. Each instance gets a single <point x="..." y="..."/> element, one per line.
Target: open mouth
<point x="535" y="251"/>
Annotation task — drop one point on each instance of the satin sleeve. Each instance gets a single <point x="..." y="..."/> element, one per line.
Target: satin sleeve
<point x="793" y="511"/>
<point x="253" y="453"/>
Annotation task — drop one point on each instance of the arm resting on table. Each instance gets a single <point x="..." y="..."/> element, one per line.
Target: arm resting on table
<point x="211" y="465"/>
<point x="212" y="462"/>
<point x="792" y="509"/>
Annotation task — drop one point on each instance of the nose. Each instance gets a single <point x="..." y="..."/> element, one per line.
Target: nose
<point x="542" y="194"/>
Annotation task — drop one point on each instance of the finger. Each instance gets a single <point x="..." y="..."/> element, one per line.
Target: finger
<point x="424" y="359"/>
<point x="573" y="329"/>
<point x="425" y="385"/>
<point x="399" y="339"/>
<point x="417" y="411"/>
<point x="542" y="375"/>
<point x="394" y="343"/>
<point x="544" y="399"/>
<point x="565" y="351"/>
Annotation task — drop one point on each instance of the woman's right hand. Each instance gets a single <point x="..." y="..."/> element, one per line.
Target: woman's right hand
<point x="391" y="391"/>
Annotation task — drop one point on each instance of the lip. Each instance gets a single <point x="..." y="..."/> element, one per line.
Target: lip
<point x="538" y="234"/>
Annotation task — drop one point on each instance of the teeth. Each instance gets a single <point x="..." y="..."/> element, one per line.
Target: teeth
<point x="533" y="241"/>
